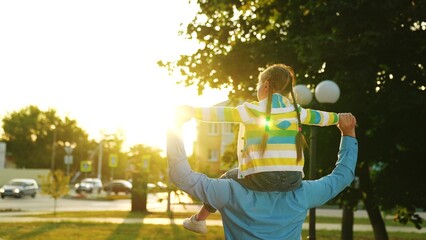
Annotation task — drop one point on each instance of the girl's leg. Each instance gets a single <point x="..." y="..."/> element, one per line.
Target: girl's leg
<point x="197" y="222"/>
<point x="202" y="214"/>
<point x="206" y="209"/>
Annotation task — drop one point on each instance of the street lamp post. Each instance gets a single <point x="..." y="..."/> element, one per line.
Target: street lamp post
<point x="312" y="176"/>
<point x="52" y="161"/>
<point x="100" y="160"/>
<point x="325" y="92"/>
<point x="105" y="138"/>
<point x="68" y="159"/>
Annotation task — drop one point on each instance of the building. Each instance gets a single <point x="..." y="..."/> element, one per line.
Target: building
<point x="213" y="141"/>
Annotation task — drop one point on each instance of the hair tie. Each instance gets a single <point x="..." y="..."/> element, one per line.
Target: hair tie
<point x="268" y="119"/>
<point x="300" y="129"/>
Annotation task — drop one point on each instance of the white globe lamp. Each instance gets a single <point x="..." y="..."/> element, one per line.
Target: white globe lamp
<point x="303" y="94"/>
<point x="327" y="91"/>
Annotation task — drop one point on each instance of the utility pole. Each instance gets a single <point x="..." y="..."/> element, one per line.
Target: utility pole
<point x="100" y="159"/>
<point x="52" y="163"/>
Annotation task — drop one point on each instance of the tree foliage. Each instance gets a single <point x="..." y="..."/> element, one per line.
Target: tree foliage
<point x="375" y="52"/>
<point x="31" y="134"/>
<point x="147" y="159"/>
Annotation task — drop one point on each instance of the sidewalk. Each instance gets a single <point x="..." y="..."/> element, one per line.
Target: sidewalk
<point x="17" y="217"/>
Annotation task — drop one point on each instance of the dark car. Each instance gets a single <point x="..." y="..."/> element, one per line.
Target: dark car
<point x="89" y="185"/>
<point x="117" y="186"/>
<point x="19" y="187"/>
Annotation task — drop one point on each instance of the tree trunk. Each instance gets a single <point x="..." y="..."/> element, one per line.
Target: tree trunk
<point x="168" y="200"/>
<point x="373" y="210"/>
<point x="347" y="223"/>
<point x="54" y="206"/>
<point x="139" y="192"/>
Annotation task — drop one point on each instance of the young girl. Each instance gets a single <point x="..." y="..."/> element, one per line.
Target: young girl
<point x="270" y="141"/>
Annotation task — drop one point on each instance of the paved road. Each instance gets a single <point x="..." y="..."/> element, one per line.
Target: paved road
<point x="87" y="203"/>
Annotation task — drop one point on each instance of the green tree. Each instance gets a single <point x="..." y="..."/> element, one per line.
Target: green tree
<point x="148" y="167"/>
<point x="34" y="137"/>
<point x="374" y="50"/>
<point x="55" y="184"/>
<point x="68" y="131"/>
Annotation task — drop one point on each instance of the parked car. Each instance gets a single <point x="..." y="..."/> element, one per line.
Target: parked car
<point x="89" y="185"/>
<point x="117" y="186"/>
<point x="157" y="186"/>
<point x="19" y="187"/>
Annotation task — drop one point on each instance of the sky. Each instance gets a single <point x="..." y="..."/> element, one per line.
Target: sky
<point x="95" y="61"/>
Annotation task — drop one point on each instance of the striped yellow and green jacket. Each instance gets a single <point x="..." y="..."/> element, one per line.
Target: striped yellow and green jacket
<point x="280" y="153"/>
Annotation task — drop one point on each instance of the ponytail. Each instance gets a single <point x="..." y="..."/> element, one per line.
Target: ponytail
<point x="300" y="139"/>
<point x="268" y="118"/>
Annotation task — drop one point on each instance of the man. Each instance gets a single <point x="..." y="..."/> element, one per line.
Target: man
<point x="248" y="214"/>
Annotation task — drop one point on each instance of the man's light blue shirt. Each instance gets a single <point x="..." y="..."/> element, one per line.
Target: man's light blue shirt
<point x="248" y="214"/>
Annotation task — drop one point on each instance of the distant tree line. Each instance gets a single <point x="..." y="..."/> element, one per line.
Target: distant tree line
<point x="34" y="137"/>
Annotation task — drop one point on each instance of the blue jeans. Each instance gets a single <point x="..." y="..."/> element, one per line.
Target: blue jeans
<point x="281" y="181"/>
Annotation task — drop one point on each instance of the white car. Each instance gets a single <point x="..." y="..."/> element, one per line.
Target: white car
<point x="89" y="185"/>
<point x="19" y="187"/>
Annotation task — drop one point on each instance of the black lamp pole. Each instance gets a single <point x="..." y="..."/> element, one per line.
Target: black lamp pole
<point x="326" y="91"/>
<point x="313" y="152"/>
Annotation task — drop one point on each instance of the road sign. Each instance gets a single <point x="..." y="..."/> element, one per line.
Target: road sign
<point x="68" y="159"/>
<point x="86" y="166"/>
<point x="113" y="160"/>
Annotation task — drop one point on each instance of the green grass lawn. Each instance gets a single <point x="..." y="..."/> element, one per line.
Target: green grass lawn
<point x="107" y="231"/>
<point x="126" y="214"/>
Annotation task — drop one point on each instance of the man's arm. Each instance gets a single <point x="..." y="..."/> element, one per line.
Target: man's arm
<point x="318" y="192"/>
<point x="212" y="191"/>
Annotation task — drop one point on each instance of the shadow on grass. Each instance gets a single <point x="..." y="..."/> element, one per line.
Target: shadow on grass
<point x="40" y="230"/>
<point x="127" y="230"/>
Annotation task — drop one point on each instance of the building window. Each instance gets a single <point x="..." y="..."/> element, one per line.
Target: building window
<point x="213" y="129"/>
<point x="213" y="155"/>
<point x="227" y="128"/>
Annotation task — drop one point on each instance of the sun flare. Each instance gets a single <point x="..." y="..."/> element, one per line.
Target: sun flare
<point x="96" y="62"/>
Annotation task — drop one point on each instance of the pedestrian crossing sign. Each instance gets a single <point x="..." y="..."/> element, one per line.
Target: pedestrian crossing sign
<point x="85" y="166"/>
<point x="113" y="160"/>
